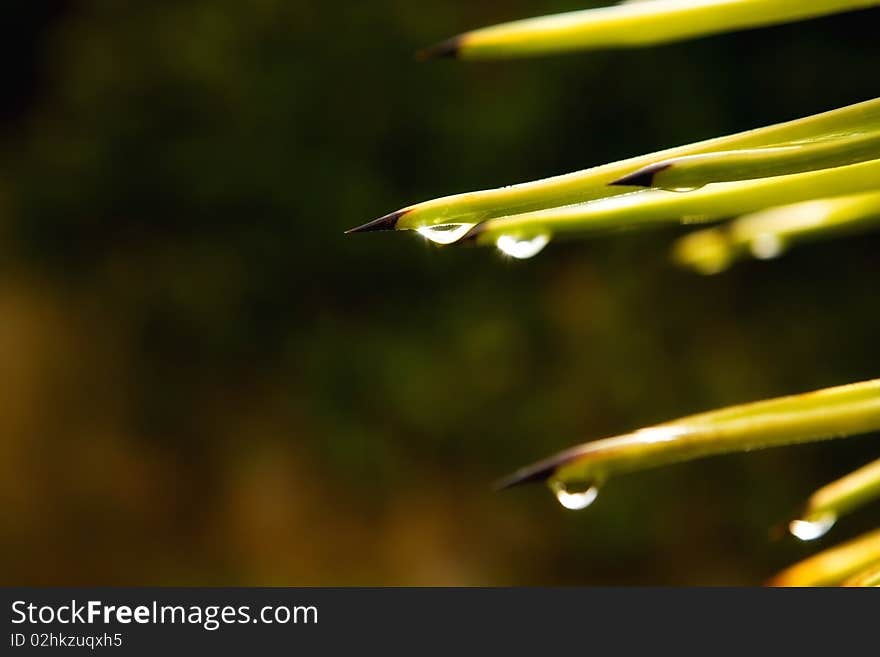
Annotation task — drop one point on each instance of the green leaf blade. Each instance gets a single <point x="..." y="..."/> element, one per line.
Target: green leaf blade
<point x="595" y="183"/>
<point x="712" y="250"/>
<point x="834" y="566"/>
<point x="822" y="415"/>
<point x="633" y="24"/>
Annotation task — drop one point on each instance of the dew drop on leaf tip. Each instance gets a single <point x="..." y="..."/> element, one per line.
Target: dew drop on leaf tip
<point x="683" y="190"/>
<point x="574" y="499"/>
<point x="444" y="233"/>
<point x="810" y="530"/>
<point x="767" y="246"/>
<point x="522" y="248"/>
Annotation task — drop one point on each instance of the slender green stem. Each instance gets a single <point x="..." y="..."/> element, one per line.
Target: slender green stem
<point x="591" y="184"/>
<point x="695" y="171"/>
<point x="710" y="203"/>
<point x="833" y="566"/>
<point x="833" y="413"/>
<point x="634" y="24"/>
<point x="768" y="232"/>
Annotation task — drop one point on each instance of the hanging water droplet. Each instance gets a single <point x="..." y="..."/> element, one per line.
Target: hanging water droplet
<point x="711" y="265"/>
<point x="810" y="530"/>
<point x="522" y="248"/>
<point x="444" y="233"/>
<point x="690" y="219"/>
<point x="684" y="190"/>
<point x="574" y="499"/>
<point x="767" y="246"/>
<point x="706" y="251"/>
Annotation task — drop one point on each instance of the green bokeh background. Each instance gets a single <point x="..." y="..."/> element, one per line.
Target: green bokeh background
<point x="204" y="382"/>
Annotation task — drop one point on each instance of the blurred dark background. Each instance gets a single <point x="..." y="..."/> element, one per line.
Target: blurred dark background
<point x="204" y="382"/>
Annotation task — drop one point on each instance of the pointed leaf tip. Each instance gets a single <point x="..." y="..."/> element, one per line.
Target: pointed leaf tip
<point x="644" y="177"/>
<point x="388" y="222"/>
<point x="449" y="48"/>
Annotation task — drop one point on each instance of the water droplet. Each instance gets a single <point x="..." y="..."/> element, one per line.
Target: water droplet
<point x="574" y="500"/>
<point x="767" y="246"/>
<point x="684" y="190"/>
<point x="711" y="266"/>
<point x="444" y="233"/>
<point x="810" y="530"/>
<point x="690" y="219"/>
<point x="706" y="251"/>
<point x="661" y="434"/>
<point x="520" y="248"/>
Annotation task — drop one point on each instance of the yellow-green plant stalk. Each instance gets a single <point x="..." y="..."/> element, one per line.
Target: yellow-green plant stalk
<point x="832" y="413"/>
<point x="632" y="24"/>
<point x="834" y="566"/>
<point x="590" y="184"/>
<point x="817" y="400"/>
<point x="870" y="577"/>
<point x="712" y="202"/>
<point x="695" y="171"/>
<point x="767" y="233"/>
<point x="827" y="504"/>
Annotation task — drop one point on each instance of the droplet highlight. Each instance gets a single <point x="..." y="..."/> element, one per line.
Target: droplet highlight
<point x="574" y="499"/>
<point x="444" y="233"/>
<point x="683" y="190"/>
<point x="522" y="248"/>
<point x="810" y="530"/>
<point x="706" y="251"/>
<point x="767" y="246"/>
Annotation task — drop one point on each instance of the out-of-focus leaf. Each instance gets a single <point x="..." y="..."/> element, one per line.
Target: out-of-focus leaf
<point x="632" y="24"/>
<point x="870" y="577"/>
<point x="827" y="504"/>
<point x="834" y="566"/>
<point x="767" y="233"/>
